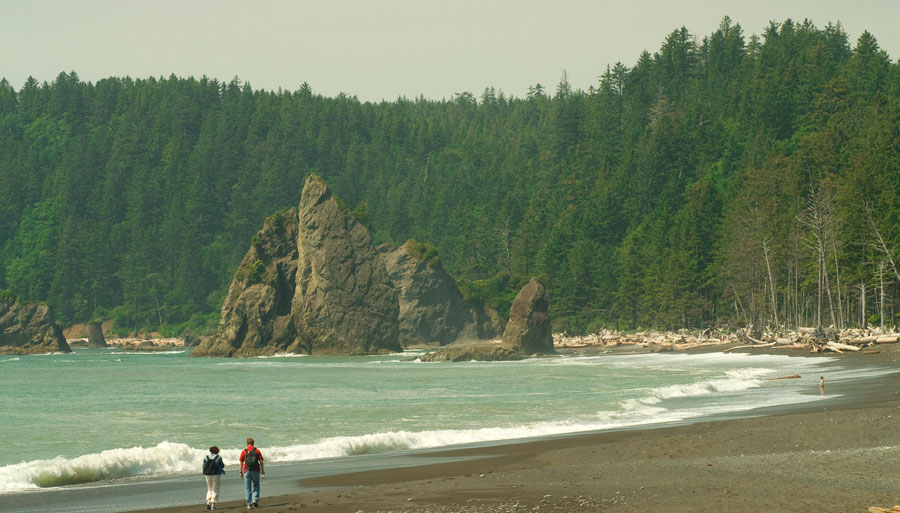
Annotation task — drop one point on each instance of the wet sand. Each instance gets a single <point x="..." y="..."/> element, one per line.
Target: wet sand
<point x="837" y="455"/>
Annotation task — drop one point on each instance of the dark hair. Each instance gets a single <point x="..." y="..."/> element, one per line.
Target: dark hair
<point x="249" y="441"/>
<point x="214" y="450"/>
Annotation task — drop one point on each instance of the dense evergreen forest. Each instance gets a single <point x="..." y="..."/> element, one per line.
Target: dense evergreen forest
<point x="722" y="180"/>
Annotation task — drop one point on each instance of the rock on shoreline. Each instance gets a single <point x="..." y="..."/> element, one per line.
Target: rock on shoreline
<point x="432" y="308"/>
<point x="29" y="328"/>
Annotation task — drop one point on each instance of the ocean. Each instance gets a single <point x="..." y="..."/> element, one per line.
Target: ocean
<point x="99" y="415"/>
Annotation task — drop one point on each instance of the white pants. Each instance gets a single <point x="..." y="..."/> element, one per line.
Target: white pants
<point x="212" y="488"/>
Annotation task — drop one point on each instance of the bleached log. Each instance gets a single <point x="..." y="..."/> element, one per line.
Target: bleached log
<point x="842" y="347"/>
<point x="749" y="345"/>
<point x="887" y="339"/>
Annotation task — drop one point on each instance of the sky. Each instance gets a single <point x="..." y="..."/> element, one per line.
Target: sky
<point x="384" y="49"/>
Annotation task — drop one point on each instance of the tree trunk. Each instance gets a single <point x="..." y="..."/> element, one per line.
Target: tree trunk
<point x="837" y="273"/>
<point x="771" y="281"/>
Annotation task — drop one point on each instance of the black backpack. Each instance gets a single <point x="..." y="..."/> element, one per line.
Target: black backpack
<point x="252" y="460"/>
<point x="211" y="466"/>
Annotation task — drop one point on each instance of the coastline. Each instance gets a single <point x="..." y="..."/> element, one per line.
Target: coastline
<point x="829" y="456"/>
<point x="836" y="450"/>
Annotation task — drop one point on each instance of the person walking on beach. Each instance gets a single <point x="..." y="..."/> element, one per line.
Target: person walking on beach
<point x="822" y="385"/>
<point x="251" y="469"/>
<point x="213" y="470"/>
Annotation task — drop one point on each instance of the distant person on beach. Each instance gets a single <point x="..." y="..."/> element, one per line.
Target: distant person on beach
<point x="213" y="470"/>
<point x="251" y="469"/>
<point x="822" y="385"/>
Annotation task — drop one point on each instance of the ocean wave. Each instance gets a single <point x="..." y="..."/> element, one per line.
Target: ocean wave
<point x="176" y="351"/>
<point x="282" y="355"/>
<point x="165" y="458"/>
<point x="734" y="381"/>
<point x="16" y="359"/>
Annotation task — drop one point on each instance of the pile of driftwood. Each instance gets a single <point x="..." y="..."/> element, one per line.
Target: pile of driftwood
<point x="672" y="339"/>
<point x="814" y="340"/>
<point x="837" y="341"/>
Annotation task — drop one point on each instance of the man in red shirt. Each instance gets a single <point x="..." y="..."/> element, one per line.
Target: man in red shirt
<point x="251" y="468"/>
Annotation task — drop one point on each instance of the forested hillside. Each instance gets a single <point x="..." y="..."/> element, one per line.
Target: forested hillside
<point x="722" y="179"/>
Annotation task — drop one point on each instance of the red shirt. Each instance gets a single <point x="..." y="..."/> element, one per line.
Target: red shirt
<point x="244" y="455"/>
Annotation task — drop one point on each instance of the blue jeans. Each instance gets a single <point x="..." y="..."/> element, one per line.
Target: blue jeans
<point x="251" y="486"/>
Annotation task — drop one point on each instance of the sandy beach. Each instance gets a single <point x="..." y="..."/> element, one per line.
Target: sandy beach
<point x="836" y="455"/>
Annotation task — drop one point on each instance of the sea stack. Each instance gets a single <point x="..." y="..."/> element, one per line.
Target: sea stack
<point x="344" y="301"/>
<point x="528" y="330"/>
<point x="432" y="309"/>
<point x="28" y="328"/>
<point x="311" y="283"/>
<point x="95" y="335"/>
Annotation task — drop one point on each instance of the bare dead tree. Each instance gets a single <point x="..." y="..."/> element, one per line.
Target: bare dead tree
<point x="862" y="304"/>
<point x="503" y="233"/>
<point x="881" y="295"/>
<point x="817" y="217"/>
<point x="880" y="244"/>
<point x="765" y="246"/>
<point x="833" y="220"/>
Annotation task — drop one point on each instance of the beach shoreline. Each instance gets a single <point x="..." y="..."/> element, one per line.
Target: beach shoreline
<point x="826" y="456"/>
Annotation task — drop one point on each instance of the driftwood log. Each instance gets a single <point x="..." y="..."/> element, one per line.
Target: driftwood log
<point x="842" y="347"/>
<point x="795" y="376"/>
<point x="749" y="345"/>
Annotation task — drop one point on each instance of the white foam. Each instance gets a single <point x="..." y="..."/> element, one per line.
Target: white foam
<point x="177" y="351"/>
<point x="165" y="458"/>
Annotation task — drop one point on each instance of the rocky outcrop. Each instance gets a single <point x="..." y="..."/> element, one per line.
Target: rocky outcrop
<point x="528" y="330"/>
<point x="311" y="283"/>
<point x="344" y="301"/>
<point x="256" y="316"/>
<point x="28" y="328"/>
<point x="95" y="335"/>
<point x="432" y="309"/>
<point x="480" y="353"/>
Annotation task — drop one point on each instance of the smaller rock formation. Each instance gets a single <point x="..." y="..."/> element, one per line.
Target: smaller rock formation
<point x="256" y="316"/>
<point x="528" y="330"/>
<point x="28" y="328"/>
<point x="95" y="335"/>
<point x="432" y="309"/>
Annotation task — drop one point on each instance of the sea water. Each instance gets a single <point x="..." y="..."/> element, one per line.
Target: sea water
<point x="97" y="415"/>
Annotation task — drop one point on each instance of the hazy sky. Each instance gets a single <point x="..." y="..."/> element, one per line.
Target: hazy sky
<point x="383" y="49"/>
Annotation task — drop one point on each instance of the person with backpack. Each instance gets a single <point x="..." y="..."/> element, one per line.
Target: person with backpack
<point x="213" y="470"/>
<point x="251" y="469"/>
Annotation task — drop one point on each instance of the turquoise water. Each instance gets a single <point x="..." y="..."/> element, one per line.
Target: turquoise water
<point x="96" y="415"/>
